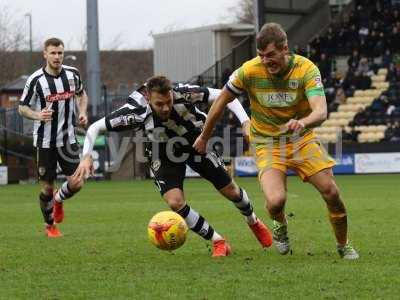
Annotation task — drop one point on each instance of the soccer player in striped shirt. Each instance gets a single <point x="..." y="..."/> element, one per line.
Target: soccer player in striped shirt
<point x="50" y="98"/>
<point x="171" y="122"/>
<point x="287" y="100"/>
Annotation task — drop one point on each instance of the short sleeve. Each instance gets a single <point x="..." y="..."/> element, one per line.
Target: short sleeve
<point x="29" y="96"/>
<point x="79" y="83"/>
<point x="127" y="117"/>
<point x="192" y="93"/>
<point x="236" y="82"/>
<point x="313" y="82"/>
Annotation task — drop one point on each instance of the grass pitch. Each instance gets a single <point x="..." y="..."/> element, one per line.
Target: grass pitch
<point x="105" y="254"/>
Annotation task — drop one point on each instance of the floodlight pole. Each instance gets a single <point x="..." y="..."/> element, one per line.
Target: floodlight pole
<point x="29" y="15"/>
<point x="259" y="13"/>
<point x="93" y="55"/>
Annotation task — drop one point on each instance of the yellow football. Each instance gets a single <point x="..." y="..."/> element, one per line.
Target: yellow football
<point x="167" y="230"/>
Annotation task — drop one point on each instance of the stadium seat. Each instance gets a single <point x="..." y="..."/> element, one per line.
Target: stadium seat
<point x="379" y="136"/>
<point x="350" y="107"/>
<point x="366" y="100"/>
<point x="378" y="78"/>
<point x="326" y="129"/>
<point x="358" y="93"/>
<point x="334" y="115"/>
<point x="373" y="92"/>
<point x="332" y="138"/>
<point x="382" y="71"/>
<point x="380" y="85"/>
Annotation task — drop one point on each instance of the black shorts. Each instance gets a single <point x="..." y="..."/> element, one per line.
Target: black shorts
<point x="169" y="175"/>
<point x="47" y="158"/>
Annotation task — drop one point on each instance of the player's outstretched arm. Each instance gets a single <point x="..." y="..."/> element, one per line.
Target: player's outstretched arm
<point x="91" y="135"/>
<point x="215" y="113"/>
<point x="85" y="168"/>
<point x="236" y="107"/>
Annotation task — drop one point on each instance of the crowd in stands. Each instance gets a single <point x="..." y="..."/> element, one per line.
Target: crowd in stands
<point x="370" y="36"/>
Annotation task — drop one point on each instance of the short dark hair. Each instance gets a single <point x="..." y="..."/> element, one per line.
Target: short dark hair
<point x="271" y="33"/>
<point x="53" y="42"/>
<point x="159" y="84"/>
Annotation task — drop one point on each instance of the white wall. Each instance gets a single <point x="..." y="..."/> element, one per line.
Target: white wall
<point x="185" y="54"/>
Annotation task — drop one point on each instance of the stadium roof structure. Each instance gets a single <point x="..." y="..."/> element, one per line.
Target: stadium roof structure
<point x="236" y="28"/>
<point x="15" y="85"/>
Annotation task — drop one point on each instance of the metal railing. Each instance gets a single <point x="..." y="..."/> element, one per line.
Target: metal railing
<point x="15" y="135"/>
<point x="217" y="75"/>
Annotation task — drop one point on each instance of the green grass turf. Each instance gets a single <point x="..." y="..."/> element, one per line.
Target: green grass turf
<point x="105" y="254"/>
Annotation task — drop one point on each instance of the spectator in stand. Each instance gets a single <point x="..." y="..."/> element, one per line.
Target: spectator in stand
<point x="340" y="98"/>
<point x="331" y="84"/>
<point x="387" y="15"/>
<point x="324" y="65"/>
<point x="364" y="67"/>
<point x="361" y="81"/>
<point x="395" y="16"/>
<point x="363" y="15"/>
<point x="389" y="132"/>
<point x="391" y="108"/>
<point x="359" y="119"/>
<point x="353" y="60"/>
<point x="353" y="19"/>
<point x="382" y="40"/>
<point x="353" y="37"/>
<point x="375" y="44"/>
<point x="341" y="42"/>
<point x="380" y="104"/>
<point x="356" y="81"/>
<point x="393" y="73"/>
<point x="377" y="15"/>
<point x="387" y="59"/>
<point x="348" y="83"/>
<point x="394" y="40"/>
<point x="331" y="42"/>
<point x="363" y="48"/>
<point x="395" y="137"/>
<point x="349" y="134"/>
<point x="377" y="25"/>
<point x="334" y="80"/>
<point x="363" y="33"/>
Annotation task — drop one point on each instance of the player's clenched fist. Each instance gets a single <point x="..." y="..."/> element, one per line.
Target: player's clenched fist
<point x="295" y="125"/>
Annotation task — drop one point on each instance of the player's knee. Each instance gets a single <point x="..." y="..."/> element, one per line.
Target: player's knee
<point x="175" y="203"/>
<point x="275" y="203"/>
<point x="275" y="209"/>
<point x="330" y="192"/>
<point x="231" y="191"/>
<point x="276" y="199"/>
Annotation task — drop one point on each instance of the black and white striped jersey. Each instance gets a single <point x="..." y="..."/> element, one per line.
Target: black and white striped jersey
<point x="57" y="93"/>
<point x="185" y="120"/>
